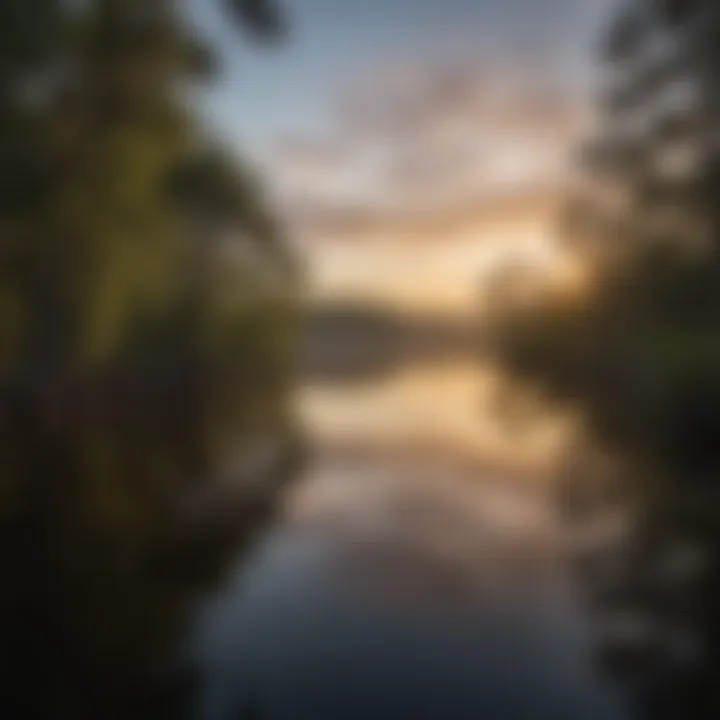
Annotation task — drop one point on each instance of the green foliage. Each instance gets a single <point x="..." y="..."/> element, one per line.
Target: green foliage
<point x="134" y="358"/>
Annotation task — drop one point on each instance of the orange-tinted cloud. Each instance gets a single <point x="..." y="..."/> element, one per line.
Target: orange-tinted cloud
<point x="421" y="145"/>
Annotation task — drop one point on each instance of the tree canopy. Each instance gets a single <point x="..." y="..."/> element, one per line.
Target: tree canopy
<point x="638" y="355"/>
<point x="136" y="361"/>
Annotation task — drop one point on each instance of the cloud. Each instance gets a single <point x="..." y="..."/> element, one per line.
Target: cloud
<point x="421" y="100"/>
<point x="415" y="144"/>
<point x="354" y="221"/>
<point x="308" y="156"/>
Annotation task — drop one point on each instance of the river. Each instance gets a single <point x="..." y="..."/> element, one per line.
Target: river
<point x="418" y="571"/>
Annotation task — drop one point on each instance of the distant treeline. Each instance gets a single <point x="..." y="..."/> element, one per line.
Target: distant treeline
<point x="355" y="341"/>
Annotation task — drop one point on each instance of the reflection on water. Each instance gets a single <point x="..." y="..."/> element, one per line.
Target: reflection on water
<point x="403" y="583"/>
<point x="114" y="522"/>
<point x="455" y="406"/>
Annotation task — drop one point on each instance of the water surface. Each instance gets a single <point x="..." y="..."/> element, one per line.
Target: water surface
<point x="403" y="583"/>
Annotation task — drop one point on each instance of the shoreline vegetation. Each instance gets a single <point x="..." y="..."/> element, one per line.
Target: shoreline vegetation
<point x="148" y="306"/>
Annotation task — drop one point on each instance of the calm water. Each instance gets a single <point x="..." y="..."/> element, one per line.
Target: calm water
<point x="403" y="583"/>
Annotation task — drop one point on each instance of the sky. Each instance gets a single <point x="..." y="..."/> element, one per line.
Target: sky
<point x="286" y="88"/>
<point x="389" y="131"/>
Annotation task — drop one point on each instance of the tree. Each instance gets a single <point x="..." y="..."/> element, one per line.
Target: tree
<point x="639" y="357"/>
<point x="128" y="382"/>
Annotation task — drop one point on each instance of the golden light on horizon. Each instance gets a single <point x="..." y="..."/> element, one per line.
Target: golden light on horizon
<point x="444" y="272"/>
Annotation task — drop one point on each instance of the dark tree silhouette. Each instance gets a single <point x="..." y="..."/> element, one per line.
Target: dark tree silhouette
<point x="146" y="320"/>
<point x="639" y="356"/>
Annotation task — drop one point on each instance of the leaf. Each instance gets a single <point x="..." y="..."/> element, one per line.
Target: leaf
<point x="261" y="17"/>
